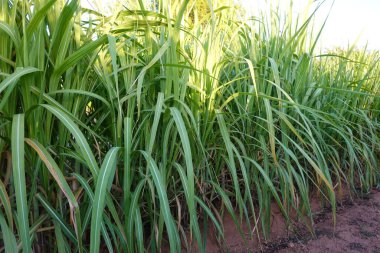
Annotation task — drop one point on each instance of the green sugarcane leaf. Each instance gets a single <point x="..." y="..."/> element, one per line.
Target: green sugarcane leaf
<point x="18" y="161"/>
<point x="106" y="175"/>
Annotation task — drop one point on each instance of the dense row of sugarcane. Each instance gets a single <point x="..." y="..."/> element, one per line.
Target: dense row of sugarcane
<point x="142" y="129"/>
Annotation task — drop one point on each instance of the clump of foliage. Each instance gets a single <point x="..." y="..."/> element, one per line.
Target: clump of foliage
<point x="137" y="131"/>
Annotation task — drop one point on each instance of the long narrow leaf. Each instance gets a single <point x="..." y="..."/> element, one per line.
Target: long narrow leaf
<point x="107" y="173"/>
<point x="19" y="180"/>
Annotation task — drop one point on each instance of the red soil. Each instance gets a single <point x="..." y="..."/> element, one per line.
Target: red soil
<point x="357" y="230"/>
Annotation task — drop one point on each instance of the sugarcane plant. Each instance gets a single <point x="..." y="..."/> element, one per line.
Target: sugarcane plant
<point x="141" y="129"/>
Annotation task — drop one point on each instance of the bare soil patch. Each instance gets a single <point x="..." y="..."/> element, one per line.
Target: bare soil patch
<point x="357" y="230"/>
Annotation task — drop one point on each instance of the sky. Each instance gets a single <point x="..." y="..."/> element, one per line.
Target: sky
<point x="351" y="18"/>
<point x="348" y="20"/>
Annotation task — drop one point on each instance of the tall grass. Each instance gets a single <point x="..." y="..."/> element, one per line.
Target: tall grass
<point x="145" y="127"/>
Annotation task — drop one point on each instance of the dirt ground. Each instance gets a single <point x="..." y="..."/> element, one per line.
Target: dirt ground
<point x="357" y="230"/>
